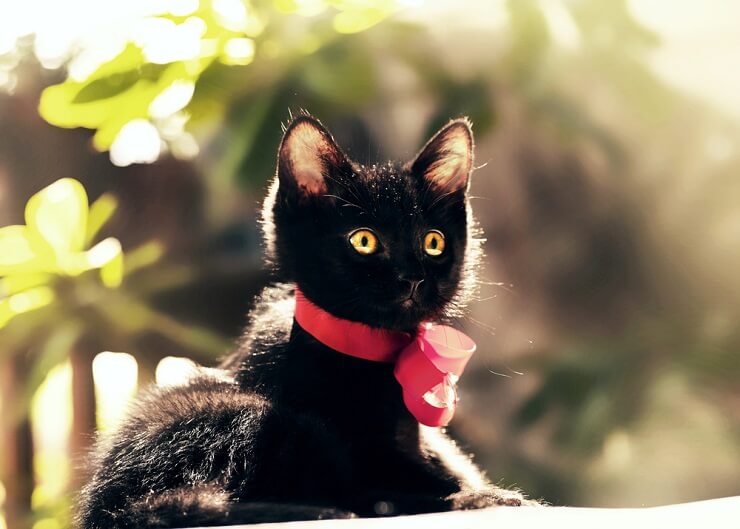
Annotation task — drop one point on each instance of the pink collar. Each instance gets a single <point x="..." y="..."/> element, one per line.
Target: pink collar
<point x="349" y="337"/>
<point x="427" y="364"/>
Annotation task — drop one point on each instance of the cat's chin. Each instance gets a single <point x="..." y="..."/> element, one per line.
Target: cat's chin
<point x="405" y="316"/>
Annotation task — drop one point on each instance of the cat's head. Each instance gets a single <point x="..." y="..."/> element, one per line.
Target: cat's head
<point x="389" y="245"/>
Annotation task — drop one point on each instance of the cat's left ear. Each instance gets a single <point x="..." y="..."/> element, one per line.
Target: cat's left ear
<point x="307" y="156"/>
<point x="446" y="161"/>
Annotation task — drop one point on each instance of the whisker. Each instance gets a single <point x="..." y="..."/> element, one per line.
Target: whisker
<point x="347" y="203"/>
<point x="346" y="186"/>
<point x="481" y="300"/>
<point x="442" y="197"/>
<point x="490" y="328"/>
<point x="520" y="373"/>
<point x="502" y="285"/>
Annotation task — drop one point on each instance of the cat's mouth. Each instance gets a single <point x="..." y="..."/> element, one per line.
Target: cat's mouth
<point x="402" y="311"/>
<point x="410" y="306"/>
<point x="412" y="298"/>
<point x="406" y="313"/>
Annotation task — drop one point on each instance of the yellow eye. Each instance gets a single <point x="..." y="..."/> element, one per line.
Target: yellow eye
<point x="364" y="241"/>
<point x="434" y="243"/>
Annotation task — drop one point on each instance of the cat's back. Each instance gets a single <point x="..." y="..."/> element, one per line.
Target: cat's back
<point x="217" y="429"/>
<point x="198" y="432"/>
<point x="168" y="426"/>
<point x="196" y="427"/>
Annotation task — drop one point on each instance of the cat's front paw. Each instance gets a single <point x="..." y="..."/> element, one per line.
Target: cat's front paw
<point x="479" y="499"/>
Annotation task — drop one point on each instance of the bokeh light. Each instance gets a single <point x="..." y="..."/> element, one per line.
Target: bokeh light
<point x="115" y="376"/>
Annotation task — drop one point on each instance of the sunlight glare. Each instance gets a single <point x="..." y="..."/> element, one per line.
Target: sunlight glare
<point x="561" y="24"/>
<point x="29" y="300"/>
<point x="115" y="376"/>
<point x="90" y="58"/>
<point x="137" y="142"/>
<point x="172" y="99"/>
<point x="239" y="51"/>
<point x="181" y="8"/>
<point x="306" y="8"/>
<point x="231" y="14"/>
<point x="164" y="42"/>
<point x="7" y="40"/>
<point x="103" y="252"/>
<point x="184" y="147"/>
<point x="51" y="423"/>
<point x="174" y="371"/>
<point x="3" y="525"/>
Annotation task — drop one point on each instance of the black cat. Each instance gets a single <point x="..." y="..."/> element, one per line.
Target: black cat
<point x="297" y="430"/>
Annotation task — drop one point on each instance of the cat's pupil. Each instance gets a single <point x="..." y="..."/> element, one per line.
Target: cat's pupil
<point x="364" y="240"/>
<point x="434" y="244"/>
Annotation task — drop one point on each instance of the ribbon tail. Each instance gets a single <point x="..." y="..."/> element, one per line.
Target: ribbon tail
<point x="428" y="368"/>
<point x="426" y="413"/>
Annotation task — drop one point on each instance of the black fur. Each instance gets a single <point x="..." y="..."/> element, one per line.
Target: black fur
<point x="279" y="437"/>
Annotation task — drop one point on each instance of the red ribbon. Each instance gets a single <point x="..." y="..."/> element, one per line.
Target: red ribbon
<point x="428" y="364"/>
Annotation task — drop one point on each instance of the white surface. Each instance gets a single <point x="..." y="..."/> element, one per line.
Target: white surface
<point x="721" y="513"/>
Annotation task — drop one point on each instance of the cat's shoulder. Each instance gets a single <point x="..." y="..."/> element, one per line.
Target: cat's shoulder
<point x="268" y="324"/>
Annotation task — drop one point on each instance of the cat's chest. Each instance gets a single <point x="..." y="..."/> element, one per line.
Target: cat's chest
<point x="353" y="394"/>
<point x="379" y="459"/>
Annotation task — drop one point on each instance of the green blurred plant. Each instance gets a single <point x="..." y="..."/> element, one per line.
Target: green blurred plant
<point x="58" y="286"/>
<point x="155" y="77"/>
<point x="59" y="226"/>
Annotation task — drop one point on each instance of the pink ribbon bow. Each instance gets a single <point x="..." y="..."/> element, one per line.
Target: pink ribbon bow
<point x="427" y="365"/>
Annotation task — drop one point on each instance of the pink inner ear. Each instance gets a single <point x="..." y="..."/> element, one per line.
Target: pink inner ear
<point x="447" y="159"/>
<point x="451" y="169"/>
<point x="305" y="148"/>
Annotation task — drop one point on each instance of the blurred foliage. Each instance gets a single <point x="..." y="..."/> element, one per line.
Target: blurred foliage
<point x="595" y="384"/>
<point x="59" y="224"/>
<point x="611" y="217"/>
<point x="156" y="74"/>
<point x="54" y="292"/>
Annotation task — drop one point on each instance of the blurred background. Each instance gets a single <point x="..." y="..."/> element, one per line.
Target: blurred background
<point x="137" y="138"/>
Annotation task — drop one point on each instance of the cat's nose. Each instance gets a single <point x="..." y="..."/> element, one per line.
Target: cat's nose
<point x="411" y="287"/>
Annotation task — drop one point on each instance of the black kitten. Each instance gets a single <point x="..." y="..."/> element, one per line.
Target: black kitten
<point x="296" y="430"/>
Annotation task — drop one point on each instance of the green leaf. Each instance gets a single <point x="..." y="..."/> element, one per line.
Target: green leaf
<point x="19" y="282"/>
<point x="134" y="103"/>
<point x="358" y="19"/>
<point x="16" y="251"/>
<point x="58" y="213"/>
<point x="111" y="273"/>
<point x="100" y="212"/>
<point x="103" y="253"/>
<point x="107" y="87"/>
<point x="145" y="255"/>
<point x="62" y="105"/>
<point x="119" y="92"/>
<point x="22" y="302"/>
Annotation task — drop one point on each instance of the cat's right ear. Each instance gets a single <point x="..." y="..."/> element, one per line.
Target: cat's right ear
<point x="307" y="156"/>
<point x="446" y="161"/>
